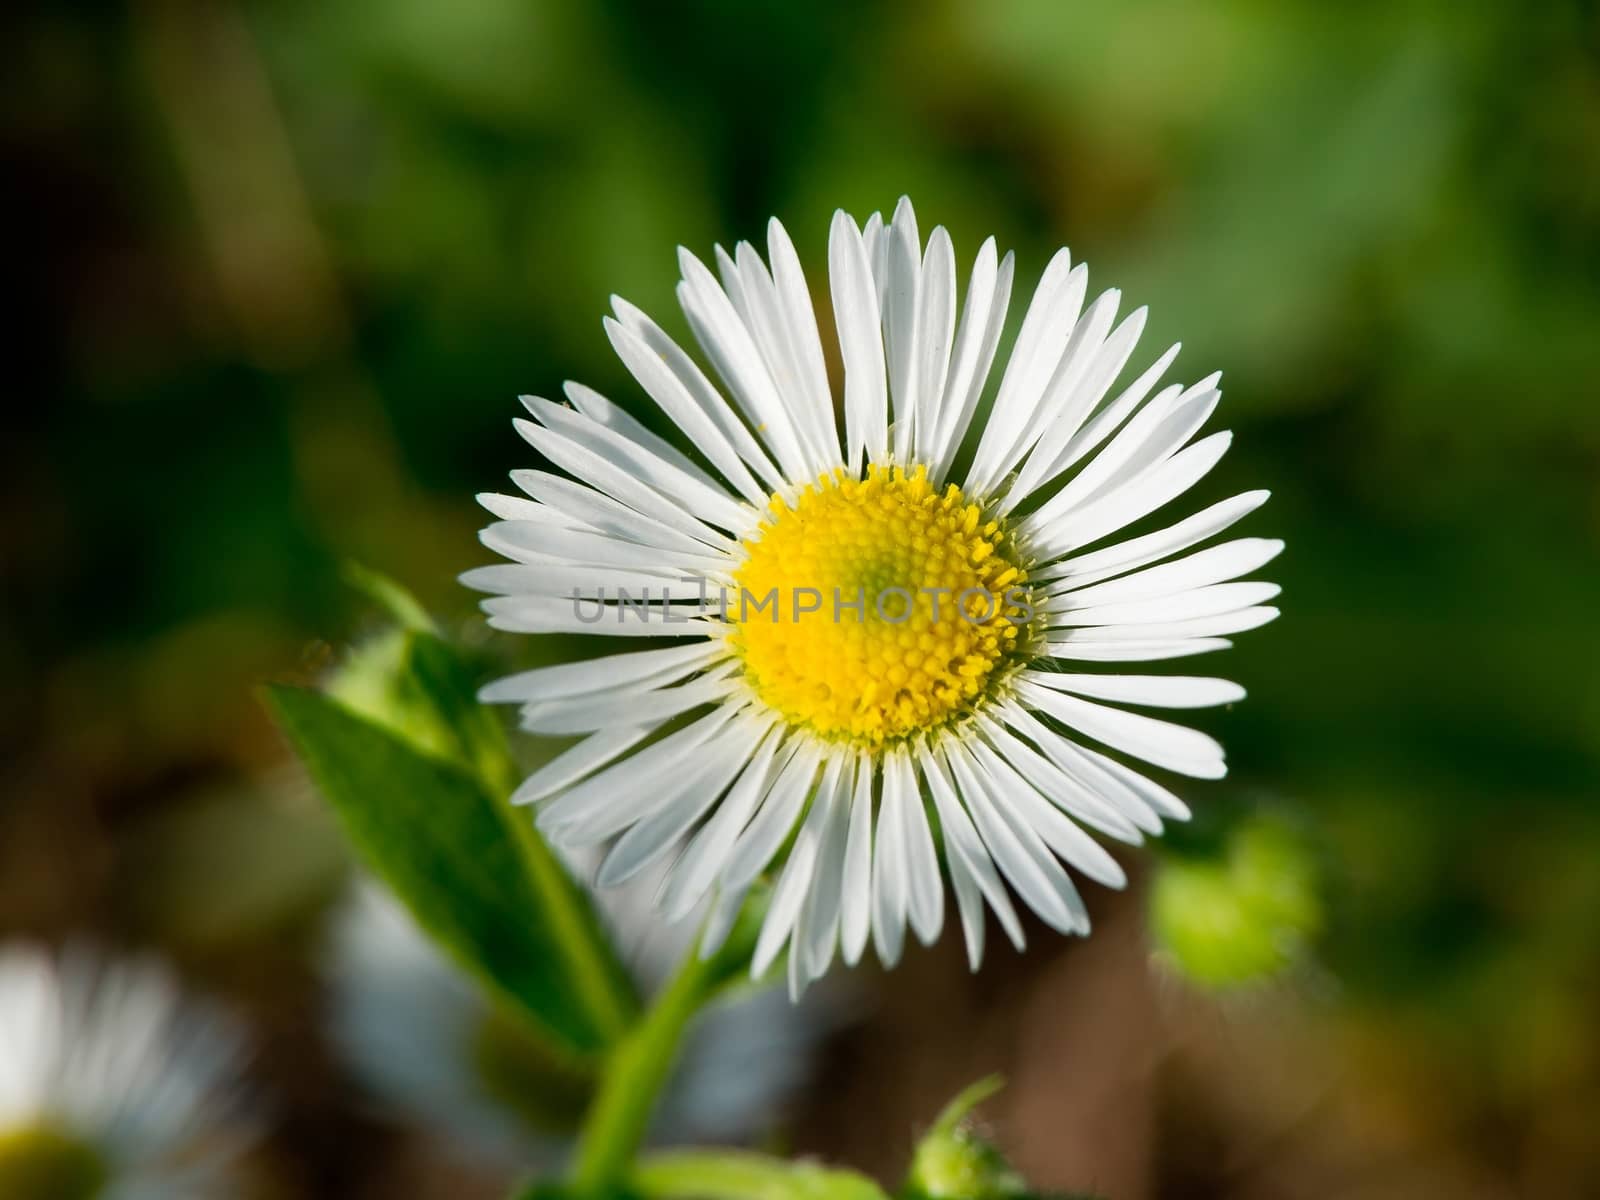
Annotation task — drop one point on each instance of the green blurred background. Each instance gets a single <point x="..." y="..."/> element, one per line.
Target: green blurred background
<point x="282" y="268"/>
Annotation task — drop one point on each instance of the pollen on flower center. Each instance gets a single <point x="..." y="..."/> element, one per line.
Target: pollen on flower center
<point x="875" y="609"/>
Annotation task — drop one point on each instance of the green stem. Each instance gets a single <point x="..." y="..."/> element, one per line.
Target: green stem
<point x="634" y="1076"/>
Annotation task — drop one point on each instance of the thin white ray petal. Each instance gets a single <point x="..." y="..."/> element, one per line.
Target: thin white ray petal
<point x="925" y="892"/>
<point x="1065" y="402"/>
<point x="1077" y="395"/>
<point x="589" y="713"/>
<point x="1027" y="868"/>
<point x="1209" y="601"/>
<point x="1043" y="338"/>
<point x="572" y="764"/>
<point x="545" y="614"/>
<point x="982" y="318"/>
<point x="600" y="674"/>
<point x="758" y="304"/>
<point x="935" y="328"/>
<point x="632" y="511"/>
<point x="719" y="924"/>
<point x="1176" y="747"/>
<point x="855" y="902"/>
<point x="1126" y="556"/>
<point x="1081" y="765"/>
<point x="1152" y="793"/>
<point x="889" y="898"/>
<point x="711" y="504"/>
<point x="795" y="882"/>
<point x="1217" y="564"/>
<point x="704" y="859"/>
<point x="1159" y="691"/>
<point x="1069" y="842"/>
<point x="1237" y="621"/>
<point x="687" y="397"/>
<point x="1065" y="791"/>
<point x="800" y="319"/>
<point x="962" y="842"/>
<point x="901" y="288"/>
<point x="625" y="785"/>
<point x="856" y="316"/>
<point x="1110" y="418"/>
<point x="659" y="831"/>
<point x="819" y="920"/>
<point x="772" y="824"/>
<point x="1142" y="651"/>
<point x="620" y="421"/>
<point x="722" y="334"/>
<point x="1124" y="505"/>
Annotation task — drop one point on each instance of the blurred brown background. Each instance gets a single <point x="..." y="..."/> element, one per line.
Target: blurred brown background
<point x="281" y="268"/>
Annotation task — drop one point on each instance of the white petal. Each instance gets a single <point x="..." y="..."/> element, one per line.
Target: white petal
<point x="1200" y="569"/>
<point x="1176" y="747"/>
<point x="1077" y="395"/>
<point x="577" y="761"/>
<point x="818" y="929"/>
<point x="1045" y="332"/>
<point x="1077" y="764"/>
<point x="925" y="892"/>
<point x="621" y="506"/>
<point x="795" y="882"/>
<point x="672" y="380"/>
<point x="1152" y="793"/>
<point x="592" y="675"/>
<point x="1026" y="864"/>
<point x="590" y="713"/>
<point x="1110" y="418"/>
<point x="855" y="910"/>
<point x="626" y="786"/>
<point x="1140" y="651"/>
<point x="1160" y="691"/>
<point x="693" y="875"/>
<point x="800" y="320"/>
<point x="855" y="313"/>
<point x="889" y="876"/>
<point x="963" y="843"/>
<point x="529" y="541"/>
<point x="1125" y="556"/>
<point x="710" y="503"/>
<point x="1210" y="601"/>
<point x="616" y="418"/>
<point x="1066" y="402"/>
<point x="982" y="319"/>
<point x="936" y="320"/>
<point x="548" y="614"/>
<point x="662" y="829"/>
<point x="1066" y="839"/>
<point x="727" y="343"/>
<point x="772" y="824"/>
<point x="1237" y="621"/>
<point x="1124" y="505"/>
<point x="900" y="298"/>
<point x="1066" y="791"/>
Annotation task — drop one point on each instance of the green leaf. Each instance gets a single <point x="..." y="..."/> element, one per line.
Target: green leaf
<point x="737" y="1175"/>
<point x="473" y="871"/>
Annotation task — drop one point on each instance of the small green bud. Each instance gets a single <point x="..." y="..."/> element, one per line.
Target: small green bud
<point x="376" y="680"/>
<point x="1241" y="918"/>
<point x="954" y="1162"/>
<point x="42" y="1163"/>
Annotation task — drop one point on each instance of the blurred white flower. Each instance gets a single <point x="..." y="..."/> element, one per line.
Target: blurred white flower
<point x="425" y="1040"/>
<point x="113" y="1084"/>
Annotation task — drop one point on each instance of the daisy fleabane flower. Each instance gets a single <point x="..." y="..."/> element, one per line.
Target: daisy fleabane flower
<point x="113" y="1084"/>
<point x="907" y="620"/>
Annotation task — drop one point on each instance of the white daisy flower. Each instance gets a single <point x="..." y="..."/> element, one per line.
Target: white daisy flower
<point x="422" y="1037"/>
<point x="898" y="634"/>
<point x="113" y="1085"/>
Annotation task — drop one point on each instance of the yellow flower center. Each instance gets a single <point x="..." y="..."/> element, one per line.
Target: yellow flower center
<point x="876" y="609"/>
<point x="40" y="1162"/>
